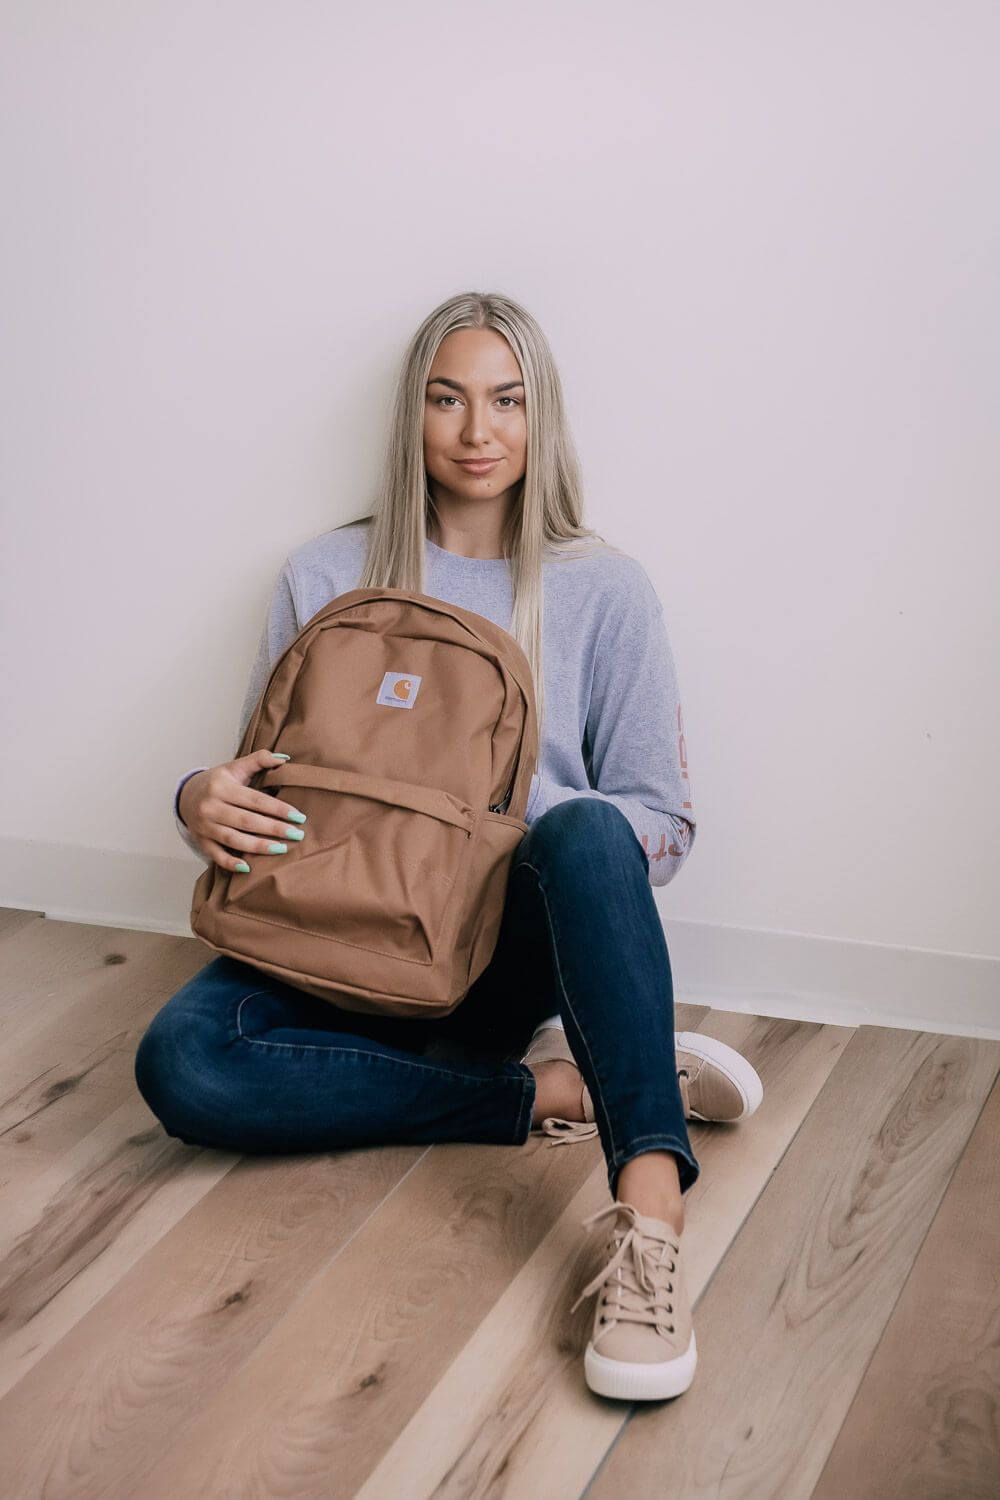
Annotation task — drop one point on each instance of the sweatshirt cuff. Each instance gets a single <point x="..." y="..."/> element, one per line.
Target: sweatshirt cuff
<point x="180" y="825"/>
<point x="177" y="792"/>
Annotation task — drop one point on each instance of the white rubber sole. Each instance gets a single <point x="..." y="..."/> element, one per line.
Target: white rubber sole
<point x="639" y="1382"/>
<point x="730" y="1062"/>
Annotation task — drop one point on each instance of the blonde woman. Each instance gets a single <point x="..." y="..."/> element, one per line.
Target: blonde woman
<point x="481" y="505"/>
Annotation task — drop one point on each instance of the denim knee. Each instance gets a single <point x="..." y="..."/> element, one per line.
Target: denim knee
<point x="168" y="1062"/>
<point x="576" y="829"/>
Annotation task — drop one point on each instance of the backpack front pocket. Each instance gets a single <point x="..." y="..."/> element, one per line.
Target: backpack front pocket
<point x="377" y="868"/>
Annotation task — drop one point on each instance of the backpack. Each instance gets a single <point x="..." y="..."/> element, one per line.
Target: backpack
<point x="412" y="730"/>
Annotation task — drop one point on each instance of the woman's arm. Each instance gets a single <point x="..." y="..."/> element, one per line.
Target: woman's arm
<point x="634" y="733"/>
<point x="281" y="626"/>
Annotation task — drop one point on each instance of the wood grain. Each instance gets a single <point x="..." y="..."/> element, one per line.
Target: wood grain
<point x="925" y="1420"/>
<point x="391" y="1322"/>
<point x="787" y="1327"/>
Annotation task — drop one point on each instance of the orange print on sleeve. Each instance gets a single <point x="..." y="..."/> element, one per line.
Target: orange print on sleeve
<point x="672" y="848"/>
<point x="677" y="846"/>
<point x="682" y="752"/>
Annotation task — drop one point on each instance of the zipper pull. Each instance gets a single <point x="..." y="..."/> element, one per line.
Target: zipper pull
<point x="501" y="807"/>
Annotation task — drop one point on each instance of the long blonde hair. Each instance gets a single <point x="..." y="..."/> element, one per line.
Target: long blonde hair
<point x="545" y="521"/>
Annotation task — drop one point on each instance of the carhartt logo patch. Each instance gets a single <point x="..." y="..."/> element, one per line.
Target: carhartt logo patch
<point x="398" y="690"/>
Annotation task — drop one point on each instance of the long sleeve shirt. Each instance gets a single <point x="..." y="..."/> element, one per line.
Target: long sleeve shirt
<point x="613" y="726"/>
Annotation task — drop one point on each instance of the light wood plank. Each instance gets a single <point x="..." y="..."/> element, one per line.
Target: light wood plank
<point x="925" y="1423"/>
<point x="170" y="1310"/>
<point x="76" y="1001"/>
<point x="74" y="1231"/>
<point x="14" y="920"/>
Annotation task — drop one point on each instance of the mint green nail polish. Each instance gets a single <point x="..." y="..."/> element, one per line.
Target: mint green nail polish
<point x="297" y="817"/>
<point x="280" y="755"/>
<point x="242" y="865"/>
<point x="277" y="848"/>
<point x="294" y="833"/>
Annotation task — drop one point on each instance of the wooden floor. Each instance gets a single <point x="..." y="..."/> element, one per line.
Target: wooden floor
<point x="392" y="1322"/>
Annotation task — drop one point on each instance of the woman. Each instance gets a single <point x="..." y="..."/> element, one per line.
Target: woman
<point x="481" y="505"/>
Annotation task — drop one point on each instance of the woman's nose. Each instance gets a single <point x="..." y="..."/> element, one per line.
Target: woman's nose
<point x="477" y="424"/>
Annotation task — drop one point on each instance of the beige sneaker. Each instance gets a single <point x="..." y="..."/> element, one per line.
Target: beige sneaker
<point x="716" y="1081"/>
<point x="642" y="1347"/>
<point x="548" y="1044"/>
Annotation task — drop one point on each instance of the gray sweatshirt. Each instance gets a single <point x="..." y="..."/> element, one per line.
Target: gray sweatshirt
<point x="613" y="726"/>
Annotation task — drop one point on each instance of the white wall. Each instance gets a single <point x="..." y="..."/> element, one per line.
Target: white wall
<point x="763" y="241"/>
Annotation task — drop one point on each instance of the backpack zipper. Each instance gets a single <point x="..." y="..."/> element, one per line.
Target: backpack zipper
<point x="501" y="807"/>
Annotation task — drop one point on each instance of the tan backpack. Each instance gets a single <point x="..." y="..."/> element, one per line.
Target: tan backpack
<point x="412" y="730"/>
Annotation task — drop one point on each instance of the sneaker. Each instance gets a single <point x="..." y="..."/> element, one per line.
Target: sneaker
<point x="549" y="1044"/>
<point x="642" y="1346"/>
<point x="716" y="1081"/>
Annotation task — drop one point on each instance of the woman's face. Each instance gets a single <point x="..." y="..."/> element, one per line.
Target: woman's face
<point x="474" y="408"/>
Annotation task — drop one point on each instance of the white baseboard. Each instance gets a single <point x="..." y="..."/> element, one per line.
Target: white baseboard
<point x="802" y="977"/>
<point x="791" y="975"/>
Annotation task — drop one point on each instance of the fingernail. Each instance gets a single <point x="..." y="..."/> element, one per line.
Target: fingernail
<point x="294" y="833"/>
<point x="297" y="817"/>
<point x="280" y="756"/>
<point x="277" y="848"/>
<point x="242" y="866"/>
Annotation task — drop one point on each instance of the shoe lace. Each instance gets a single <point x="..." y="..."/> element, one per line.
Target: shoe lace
<point x="640" y="1297"/>
<point x="567" y="1131"/>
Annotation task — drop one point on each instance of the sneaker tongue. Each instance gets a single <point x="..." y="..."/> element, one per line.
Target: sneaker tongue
<point x="658" y="1227"/>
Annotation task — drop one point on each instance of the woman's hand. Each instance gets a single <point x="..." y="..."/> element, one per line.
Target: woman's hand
<point x="219" y="808"/>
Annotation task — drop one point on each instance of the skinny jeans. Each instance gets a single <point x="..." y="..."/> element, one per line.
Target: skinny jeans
<point x="239" y="1060"/>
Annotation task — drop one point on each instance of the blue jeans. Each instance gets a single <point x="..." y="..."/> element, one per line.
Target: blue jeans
<point x="241" y="1061"/>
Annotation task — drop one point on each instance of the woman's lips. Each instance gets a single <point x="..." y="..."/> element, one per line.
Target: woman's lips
<point x="478" y="466"/>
